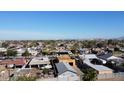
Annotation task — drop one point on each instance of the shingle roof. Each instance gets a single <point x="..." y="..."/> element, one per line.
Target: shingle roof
<point x="63" y="67"/>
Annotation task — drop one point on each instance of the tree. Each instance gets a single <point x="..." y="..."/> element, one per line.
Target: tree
<point x="26" y="53"/>
<point x="45" y="51"/>
<point x="99" y="45"/>
<point x="11" y="52"/>
<point x="5" y="45"/>
<point x="89" y="75"/>
<point x="116" y="49"/>
<point x="74" y="48"/>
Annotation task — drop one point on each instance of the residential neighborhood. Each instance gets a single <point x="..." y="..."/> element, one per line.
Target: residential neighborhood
<point x="62" y="60"/>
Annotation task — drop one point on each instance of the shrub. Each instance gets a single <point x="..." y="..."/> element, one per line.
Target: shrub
<point x="25" y="78"/>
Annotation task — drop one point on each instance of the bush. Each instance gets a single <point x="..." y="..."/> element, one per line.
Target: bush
<point x="25" y="78"/>
<point x="45" y="71"/>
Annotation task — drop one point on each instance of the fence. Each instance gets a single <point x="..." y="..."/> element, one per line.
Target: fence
<point x="109" y="76"/>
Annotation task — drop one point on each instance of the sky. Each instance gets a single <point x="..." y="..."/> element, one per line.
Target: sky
<point x="42" y="25"/>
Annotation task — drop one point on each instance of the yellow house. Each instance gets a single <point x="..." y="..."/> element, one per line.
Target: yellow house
<point x="67" y="58"/>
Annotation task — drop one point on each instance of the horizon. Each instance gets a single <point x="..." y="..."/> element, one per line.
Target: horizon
<point x="57" y="25"/>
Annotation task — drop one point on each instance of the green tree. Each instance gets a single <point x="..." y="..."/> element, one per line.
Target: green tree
<point x="26" y="53"/>
<point x="5" y="45"/>
<point x="11" y="52"/>
<point x="46" y="51"/>
<point x="89" y="75"/>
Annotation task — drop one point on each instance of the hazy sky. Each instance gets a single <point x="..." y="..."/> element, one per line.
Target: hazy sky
<point x="61" y="25"/>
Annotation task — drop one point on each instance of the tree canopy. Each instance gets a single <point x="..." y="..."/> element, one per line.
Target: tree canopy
<point x="89" y="75"/>
<point x="11" y="52"/>
<point x="26" y="53"/>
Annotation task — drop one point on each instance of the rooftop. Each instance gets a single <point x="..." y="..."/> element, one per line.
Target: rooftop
<point x="18" y="61"/>
<point x="88" y="56"/>
<point x="105" y="56"/>
<point x="63" y="67"/>
<point x="96" y="67"/>
<point x="64" y="57"/>
<point x="39" y="61"/>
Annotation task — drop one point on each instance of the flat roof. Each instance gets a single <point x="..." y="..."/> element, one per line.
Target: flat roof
<point x="39" y="61"/>
<point x="88" y="56"/>
<point x="65" y="57"/>
<point x="97" y="67"/>
<point x="18" y="61"/>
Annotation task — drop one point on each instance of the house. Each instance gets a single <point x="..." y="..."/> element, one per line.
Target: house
<point x="64" y="52"/>
<point x="65" y="72"/>
<point x="3" y="49"/>
<point x="87" y="59"/>
<point x="33" y="51"/>
<point x="20" y="51"/>
<point x="114" y="57"/>
<point x="99" y="68"/>
<point x="108" y="57"/>
<point x="91" y="56"/>
<point x="61" y="47"/>
<point x="83" y="51"/>
<point x="67" y="59"/>
<point x="115" y="63"/>
<point x="18" y="62"/>
<point x="105" y="56"/>
<point x="38" y="62"/>
<point x="122" y="49"/>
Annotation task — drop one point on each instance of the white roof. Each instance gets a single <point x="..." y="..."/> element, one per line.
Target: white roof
<point x="3" y="49"/>
<point x="21" y="50"/>
<point x="39" y="61"/>
<point x="88" y="56"/>
<point x="103" y="61"/>
<point x="91" y="56"/>
<point x="96" y="67"/>
<point x="48" y="66"/>
<point x="113" y="57"/>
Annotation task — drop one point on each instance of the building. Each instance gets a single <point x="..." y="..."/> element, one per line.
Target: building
<point x="67" y="59"/>
<point x="19" y="62"/>
<point x="33" y="51"/>
<point x="20" y="51"/>
<point x="83" y="51"/>
<point x="38" y="62"/>
<point x="105" y="56"/>
<point x="3" y="49"/>
<point x="65" y="52"/>
<point x="99" y="68"/>
<point x="61" y="48"/>
<point x="65" y="72"/>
